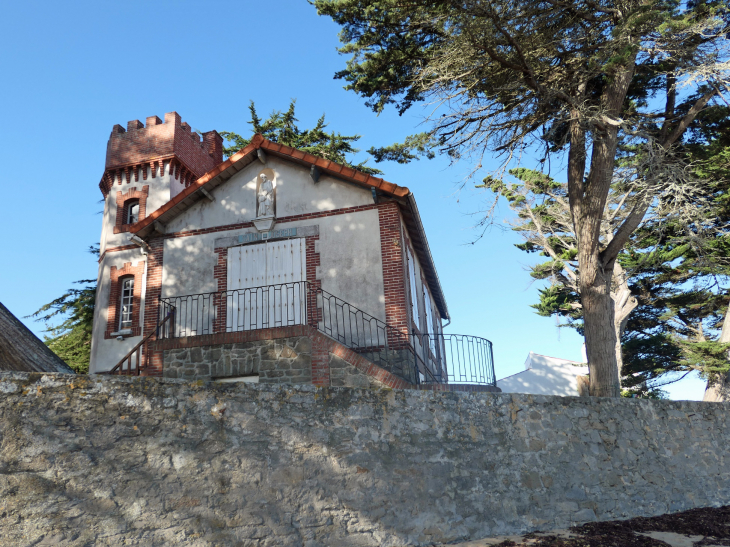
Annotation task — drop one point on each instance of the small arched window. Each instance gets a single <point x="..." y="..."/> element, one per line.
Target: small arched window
<point x="126" y="302"/>
<point x="131" y="212"/>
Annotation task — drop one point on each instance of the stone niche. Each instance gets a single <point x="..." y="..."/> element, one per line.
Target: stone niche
<point x="279" y="361"/>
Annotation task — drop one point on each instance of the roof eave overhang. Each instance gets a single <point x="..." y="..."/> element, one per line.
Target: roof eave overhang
<point x="412" y="219"/>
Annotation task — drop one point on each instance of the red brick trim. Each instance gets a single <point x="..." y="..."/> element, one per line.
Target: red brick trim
<point x="116" y="274"/>
<point x="280" y="220"/>
<point x="314" y="314"/>
<point x="107" y="180"/>
<point x="394" y="269"/>
<point x="153" y="359"/>
<point x="122" y="202"/>
<point x="220" y="274"/>
<point x="320" y="361"/>
<point x="115" y="249"/>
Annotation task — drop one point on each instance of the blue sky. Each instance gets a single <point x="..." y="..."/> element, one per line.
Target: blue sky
<point x="73" y="70"/>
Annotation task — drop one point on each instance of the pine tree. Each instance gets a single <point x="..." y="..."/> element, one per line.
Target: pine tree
<point x="281" y="127"/>
<point x="677" y="283"/>
<point x="578" y="77"/>
<point x="71" y="338"/>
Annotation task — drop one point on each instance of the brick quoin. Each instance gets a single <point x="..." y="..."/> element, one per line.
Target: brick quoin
<point x="123" y="199"/>
<point x="220" y="273"/>
<point x="153" y="359"/>
<point x="394" y="274"/>
<point x="320" y="356"/>
<point x="113" y="307"/>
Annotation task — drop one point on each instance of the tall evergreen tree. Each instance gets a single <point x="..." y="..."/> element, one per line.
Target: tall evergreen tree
<point x="670" y="288"/>
<point x="281" y="127"/>
<point x="509" y="74"/>
<point x="71" y="338"/>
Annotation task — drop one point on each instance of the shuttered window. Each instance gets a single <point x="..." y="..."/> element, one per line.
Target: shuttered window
<point x="265" y="285"/>
<point x="414" y="292"/>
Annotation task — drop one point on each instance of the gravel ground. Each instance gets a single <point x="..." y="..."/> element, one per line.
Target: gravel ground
<point x="707" y="527"/>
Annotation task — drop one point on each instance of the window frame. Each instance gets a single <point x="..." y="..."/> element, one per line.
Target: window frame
<point x="128" y="210"/>
<point x="413" y="289"/>
<point x="129" y="297"/>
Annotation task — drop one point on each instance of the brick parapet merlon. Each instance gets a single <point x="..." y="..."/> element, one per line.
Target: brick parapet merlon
<point x="157" y="145"/>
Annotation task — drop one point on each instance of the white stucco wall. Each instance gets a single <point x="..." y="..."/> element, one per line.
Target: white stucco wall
<point x="351" y="264"/>
<point x="159" y="194"/>
<point x="107" y="353"/>
<point x="419" y="290"/>
<point x="545" y="376"/>
<point x="351" y="260"/>
<point x="296" y="193"/>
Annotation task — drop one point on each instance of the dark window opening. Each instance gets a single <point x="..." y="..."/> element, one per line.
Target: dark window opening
<point x="132" y="214"/>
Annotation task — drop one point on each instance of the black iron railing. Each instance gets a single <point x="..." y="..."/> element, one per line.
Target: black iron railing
<point x="381" y="344"/>
<point x="256" y="308"/>
<point x="417" y="358"/>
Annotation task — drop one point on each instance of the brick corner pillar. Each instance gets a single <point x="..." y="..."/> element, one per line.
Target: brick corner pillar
<point x="394" y="273"/>
<point x="314" y="313"/>
<point x="320" y="359"/>
<point x="153" y="361"/>
<point x="220" y="273"/>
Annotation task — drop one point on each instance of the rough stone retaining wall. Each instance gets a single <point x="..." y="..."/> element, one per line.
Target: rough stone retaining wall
<point x="283" y="360"/>
<point x="120" y="461"/>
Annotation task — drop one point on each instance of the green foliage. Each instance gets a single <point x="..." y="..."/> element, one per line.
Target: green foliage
<point x="710" y="357"/>
<point x="681" y="280"/>
<point x="281" y="127"/>
<point x="414" y="147"/>
<point x="595" y="83"/>
<point x="71" y="338"/>
<point x="559" y="300"/>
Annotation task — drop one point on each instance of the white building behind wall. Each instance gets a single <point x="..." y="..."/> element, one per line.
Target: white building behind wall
<point x="545" y="376"/>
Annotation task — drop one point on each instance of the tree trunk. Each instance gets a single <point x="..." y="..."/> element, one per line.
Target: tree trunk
<point x="624" y="304"/>
<point x="600" y="329"/>
<point x="718" y="391"/>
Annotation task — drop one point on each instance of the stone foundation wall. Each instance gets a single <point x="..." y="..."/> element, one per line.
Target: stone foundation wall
<point x="279" y="361"/>
<point x="344" y="374"/>
<point x="142" y="461"/>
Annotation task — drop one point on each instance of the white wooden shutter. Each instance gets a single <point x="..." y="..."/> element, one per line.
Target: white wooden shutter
<point x="414" y="292"/>
<point x="263" y="284"/>
<point x="286" y="268"/>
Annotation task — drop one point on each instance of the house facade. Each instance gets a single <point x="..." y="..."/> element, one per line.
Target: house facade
<point x="273" y="265"/>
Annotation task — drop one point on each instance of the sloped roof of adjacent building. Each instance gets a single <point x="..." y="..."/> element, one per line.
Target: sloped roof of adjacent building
<point x="21" y="350"/>
<point x="237" y="162"/>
